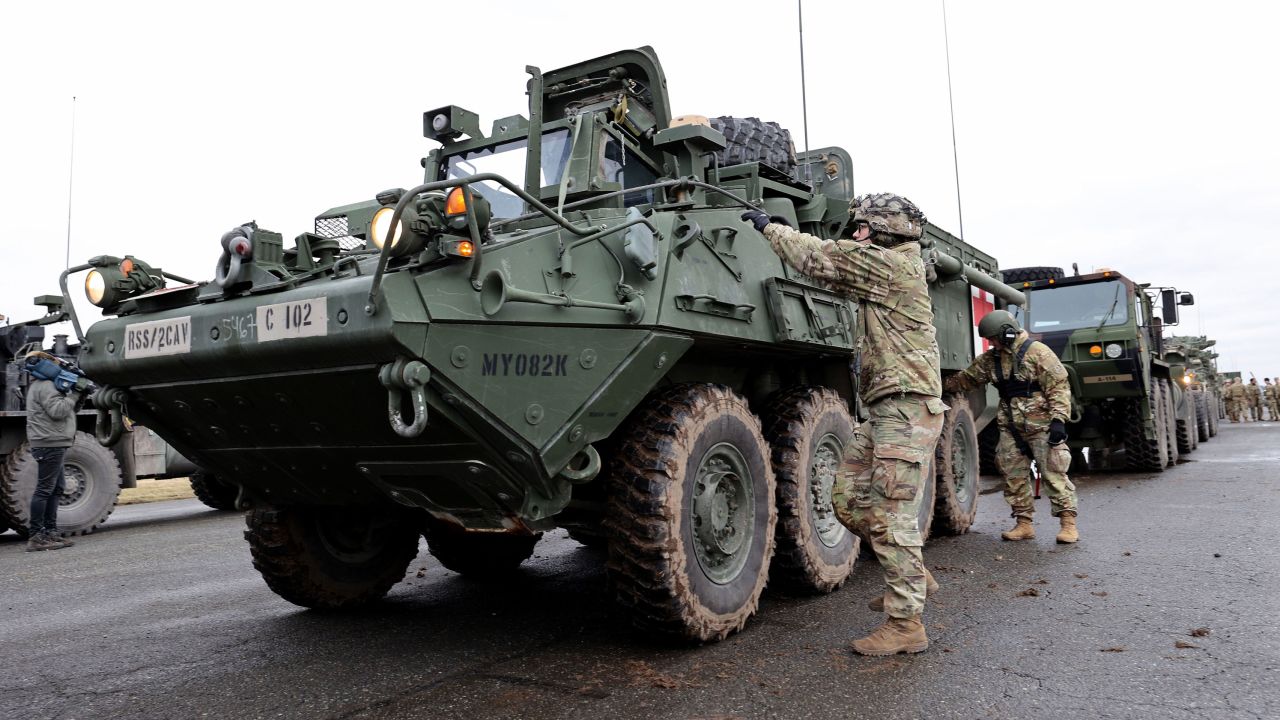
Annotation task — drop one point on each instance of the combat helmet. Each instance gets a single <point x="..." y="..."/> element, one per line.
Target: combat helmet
<point x="893" y="218"/>
<point x="998" y="324"/>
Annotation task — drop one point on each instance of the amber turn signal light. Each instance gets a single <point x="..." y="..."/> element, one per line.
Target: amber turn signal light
<point x="1096" y="351"/>
<point x="455" y="203"/>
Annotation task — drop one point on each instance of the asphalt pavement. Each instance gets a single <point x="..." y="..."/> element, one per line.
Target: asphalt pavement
<point x="1166" y="609"/>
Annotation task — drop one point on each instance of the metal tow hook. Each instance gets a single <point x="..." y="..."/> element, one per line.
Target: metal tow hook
<point x="396" y="377"/>
<point x="109" y="426"/>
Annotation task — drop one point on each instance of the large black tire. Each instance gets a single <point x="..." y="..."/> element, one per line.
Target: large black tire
<point x="1170" y="420"/>
<point x="691" y="450"/>
<point x="92" y="487"/>
<point x="1028" y="274"/>
<point x="754" y="140"/>
<point x="1202" y="417"/>
<point x="988" y="440"/>
<point x="956" y="460"/>
<point x="1141" y="454"/>
<point x="330" y="558"/>
<point x="1214" y="415"/>
<point x="808" y="428"/>
<point x="213" y="491"/>
<point x="483" y="555"/>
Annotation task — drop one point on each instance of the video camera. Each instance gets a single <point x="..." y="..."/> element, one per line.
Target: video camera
<point x="64" y="376"/>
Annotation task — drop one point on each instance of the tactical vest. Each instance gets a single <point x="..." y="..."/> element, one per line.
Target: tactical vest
<point x="1011" y="387"/>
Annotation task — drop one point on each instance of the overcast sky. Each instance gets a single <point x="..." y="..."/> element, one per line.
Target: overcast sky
<point x="1142" y="136"/>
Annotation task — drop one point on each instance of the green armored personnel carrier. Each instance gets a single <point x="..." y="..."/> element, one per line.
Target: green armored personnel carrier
<point x="1129" y="408"/>
<point x="1199" y="379"/>
<point x="566" y="325"/>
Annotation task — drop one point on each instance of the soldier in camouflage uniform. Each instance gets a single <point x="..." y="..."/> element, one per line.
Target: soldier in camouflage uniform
<point x="878" y="491"/>
<point x="1271" y="395"/>
<point x="1235" y="399"/>
<point x="1254" y="397"/>
<point x="1035" y="402"/>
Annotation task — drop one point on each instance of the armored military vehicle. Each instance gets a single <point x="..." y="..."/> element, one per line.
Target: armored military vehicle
<point x="1128" y="405"/>
<point x="567" y="324"/>
<point x="1199" y="379"/>
<point x="94" y="474"/>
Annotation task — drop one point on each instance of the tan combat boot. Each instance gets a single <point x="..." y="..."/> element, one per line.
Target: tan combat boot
<point x="894" y="636"/>
<point x="930" y="587"/>
<point x="1068" y="533"/>
<point x="1024" y="530"/>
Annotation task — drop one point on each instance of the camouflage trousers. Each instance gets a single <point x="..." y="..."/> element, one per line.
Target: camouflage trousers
<point x="1274" y="409"/>
<point x="878" y="491"/>
<point x="1052" y="461"/>
<point x="1233" y="410"/>
<point x="1255" y="410"/>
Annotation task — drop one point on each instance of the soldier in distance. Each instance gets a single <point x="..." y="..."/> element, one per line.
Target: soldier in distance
<point x="881" y="484"/>
<point x="1035" y="402"/>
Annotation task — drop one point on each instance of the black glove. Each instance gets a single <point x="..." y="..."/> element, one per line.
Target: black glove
<point x="759" y="219"/>
<point x="1057" y="432"/>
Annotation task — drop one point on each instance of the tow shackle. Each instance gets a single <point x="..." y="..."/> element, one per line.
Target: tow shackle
<point x="403" y="376"/>
<point x="109" y="425"/>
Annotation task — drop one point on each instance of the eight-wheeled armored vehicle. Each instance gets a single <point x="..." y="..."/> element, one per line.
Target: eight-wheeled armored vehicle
<point x="567" y="324"/>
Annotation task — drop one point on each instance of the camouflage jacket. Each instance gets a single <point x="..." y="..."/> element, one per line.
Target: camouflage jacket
<point x="1236" y="391"/>
<point x="1030" y="414"/>
<point x="1269" y="392"/>
<point x="897" y="347"/>
<point x="1253" y="393"/>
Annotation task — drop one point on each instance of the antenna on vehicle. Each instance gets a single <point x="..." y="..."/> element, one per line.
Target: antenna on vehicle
<point x="951" y="104"/>
<point x="71" y="174"/>
<point x="804" y="99"/>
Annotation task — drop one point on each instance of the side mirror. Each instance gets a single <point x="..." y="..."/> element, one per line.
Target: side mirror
<point x="1186" y="298"/>
<point x="1169" y="306"/>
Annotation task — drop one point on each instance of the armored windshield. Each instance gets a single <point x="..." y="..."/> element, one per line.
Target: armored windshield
<point x="508" y="160"/>
<point x="1072" y="307"/>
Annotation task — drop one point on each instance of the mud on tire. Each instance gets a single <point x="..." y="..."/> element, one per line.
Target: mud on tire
<point x="330" y="558"/>
<point x="92" y="486"/>
<point x="956" y="464"/>
<point x="1141" y="454"/>
<point x="692" y="450"/>
<point x="483" y="555"/>
<point x="754" y="140"/>
<point x="808" y="428"/>
<point x="213" y="491"/>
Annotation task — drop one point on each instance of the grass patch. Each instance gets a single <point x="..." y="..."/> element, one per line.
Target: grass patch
<point x="156" y="490"/>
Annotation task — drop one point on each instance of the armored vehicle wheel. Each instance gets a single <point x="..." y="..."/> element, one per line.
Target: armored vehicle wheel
<point x="212" y="491"/>
<point x="754" y="140"/>
<point x="691" y="516"/>
<point x="1202" y="417"/>
<point x="808" y="428"/>
<point x="956" y="459"/>
<point x="1140" y="453"/>
<point x="1027" y="274"/>
<point x="1214" y="417"/>
<point x="988" y="439"/>
<point x="478" y="554"/>
<point x="330" y="558"/>
<point x="1170" y="421"/>
<point x="92" y="486"/>
<point x="1186" y="430"/>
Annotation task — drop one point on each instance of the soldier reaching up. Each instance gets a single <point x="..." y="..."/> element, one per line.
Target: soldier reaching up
<point x="881" y="484"/>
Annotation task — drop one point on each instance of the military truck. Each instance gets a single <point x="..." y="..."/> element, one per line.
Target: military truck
<point x="1200" y="379"/>
<point x="566" y="324"/>
<point x="1128" y="405"/>
<point x="94" y="474"/>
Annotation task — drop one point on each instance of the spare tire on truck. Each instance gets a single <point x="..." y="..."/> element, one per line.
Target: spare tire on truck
<point x="1029" y="274"/>
<point x="754" y="140"/>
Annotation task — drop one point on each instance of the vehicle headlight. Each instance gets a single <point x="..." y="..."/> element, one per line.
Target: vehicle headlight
<point x="380" y="228"/>
<point x="1114" y="351"/>
<point x="95" y="287"/>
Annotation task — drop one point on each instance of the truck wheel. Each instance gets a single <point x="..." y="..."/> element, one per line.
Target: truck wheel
<point x="956" y="459"/>
<point x="988" y="439"/>
<point x="808" y="428"/>
<point x="330" y="558"/>
<point x="1028" y="274"/>
<point x="1213" y="416"/>
<point x="92" y="487"/>
<point x="212" y="491"/>
<point x="478" y="554"/>
<point x="754" y="140"/>
<point x="691" y="515"/>
<point x="1170" y="421"/>
<point x="1141" y="454"/>
<point x="1202" y="418"/>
